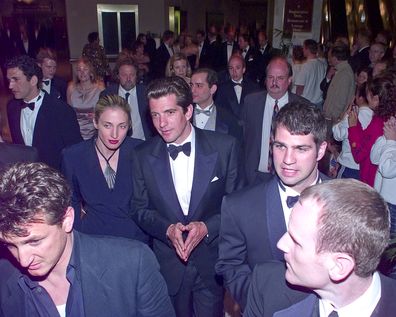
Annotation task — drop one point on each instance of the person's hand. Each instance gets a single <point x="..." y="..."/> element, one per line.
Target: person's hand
<point x="390" y="129"/>
<point x="353" y="117"/>
<point x="175" y="235"/>
<point x="330" y="72"/>
<point x="197" y="230"/>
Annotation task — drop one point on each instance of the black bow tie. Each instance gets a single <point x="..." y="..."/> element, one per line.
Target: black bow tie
<point x="46" y="82"/>
<point x="237" y="84"/>
<point x="229" y="44"/>
<point x="199" y="111"/>
<point x="29" y="105"/>
<point x="174" y="150"/>
<point x="245" y="50"/>
<point x="291" y="200"/>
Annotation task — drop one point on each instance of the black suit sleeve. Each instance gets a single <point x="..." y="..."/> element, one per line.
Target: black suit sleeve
<point x="68" y="124"/>
<point x="232" y="262"/>
<point x="269" y="292"/>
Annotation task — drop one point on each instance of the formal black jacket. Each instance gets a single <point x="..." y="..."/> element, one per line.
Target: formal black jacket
<point x="56" y="127"/>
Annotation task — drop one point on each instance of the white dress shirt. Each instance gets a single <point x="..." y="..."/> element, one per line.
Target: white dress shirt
<point x="182" y="169"/>
<point x="28" y="118"/>
<point x="238" y="89"/>
<point x="266" y="128"/>
<point x="45" y="87"/>
<point x="137" y="126"/>
<point x="202" y="119"/>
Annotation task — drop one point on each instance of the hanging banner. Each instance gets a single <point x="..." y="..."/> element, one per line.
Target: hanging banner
<point x="298" y="16"/>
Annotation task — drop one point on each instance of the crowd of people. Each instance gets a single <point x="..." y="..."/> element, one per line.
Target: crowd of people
<point x="216" y="157"/>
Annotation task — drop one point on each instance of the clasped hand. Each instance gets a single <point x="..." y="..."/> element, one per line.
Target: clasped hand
<point x="197" y="230"/>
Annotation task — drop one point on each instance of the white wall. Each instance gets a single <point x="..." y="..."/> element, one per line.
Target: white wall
<point x="82" y="19"/>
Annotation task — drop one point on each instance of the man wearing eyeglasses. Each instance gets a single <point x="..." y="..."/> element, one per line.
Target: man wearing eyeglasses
<point x="257" y="114"/>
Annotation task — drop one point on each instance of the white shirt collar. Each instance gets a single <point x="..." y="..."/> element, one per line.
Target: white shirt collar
<point x="362" y="306"/>
<point x="210" y="107"/>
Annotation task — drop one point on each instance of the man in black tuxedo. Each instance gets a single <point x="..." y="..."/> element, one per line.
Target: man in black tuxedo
<point x="231" y="94"/>
<point x="228" y="48"/>
<point x="207" y="115"/>
<point x="250" y="55"/>
<point x="360" y="59"/>
<point x="162" y="54"/>
<point x="254" y="219"/>
<point x="265" y="53"/>
<point x="53" y="270"/>
<point x="8" y="48"/>
<point x="36" y="118"/>
<point x="204" y="50"/>
<point x="52" y="84"/>
<point x="257" y="115"/>
<point x="135" y="95"/>
<point x="180" y="178"/>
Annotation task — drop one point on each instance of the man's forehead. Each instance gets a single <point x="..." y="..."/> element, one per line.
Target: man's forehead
<point x="199" y="78"/>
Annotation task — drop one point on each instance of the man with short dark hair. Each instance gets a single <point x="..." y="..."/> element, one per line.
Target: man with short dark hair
<point x="162" y="54"/>
<point x="135" y="94"/>
<point x="207" y="115"/>
<point x="180" y="178"/>
<point x="333" y="246"/>
<point x="60" y="272"/>
<point x="36" y="118"/>
<point x="250" y="55"/>
<point x="253" y="219"/>
<point x="360" y="58"/>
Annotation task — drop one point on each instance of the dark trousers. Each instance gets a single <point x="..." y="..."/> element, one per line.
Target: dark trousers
<point x="194" y="299"/>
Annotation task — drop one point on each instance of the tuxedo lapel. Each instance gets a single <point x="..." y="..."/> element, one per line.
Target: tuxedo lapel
<point x="14" y="118"/>
<point x="42" y="119"/>
<point x="205" y="162"/>
<point x="275" y="218"/>
<point x="159" y="161"/>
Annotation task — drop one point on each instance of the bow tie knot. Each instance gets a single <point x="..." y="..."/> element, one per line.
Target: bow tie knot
<point x="205" y="112"/>
<point x="237" y="84"/>
<point x="291" y="201"/>
<point x="29" y="105"/>
<point x="46" y="82"/>
<point x="174" y="150"/>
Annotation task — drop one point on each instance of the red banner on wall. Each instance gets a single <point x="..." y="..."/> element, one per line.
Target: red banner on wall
<point x="298" y="16"/>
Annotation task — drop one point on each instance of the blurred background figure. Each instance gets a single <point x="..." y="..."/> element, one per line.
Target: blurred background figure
<point x="178" y="65"/>
<point x="83" y="94"/>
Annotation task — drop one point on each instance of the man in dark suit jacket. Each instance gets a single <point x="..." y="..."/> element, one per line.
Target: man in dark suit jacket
<point x="12" y="153"/>
<point x="207" y="115"/>
<point x="254" y="219"/>
<point x="265" y="54"/>
<point x="204" y="50"/>
<point x="180" y="178"/>
<point x="232" y="93"/>
<point x="250" y="55"/>
<point x="74" y="274"/>
<point x="333" y="246"/>
<point x="361" y="57"/>
<point x="36" y="118"/>
<point x="162" y="54"/>
<point x="257" y="115"/>
<point x="135" y="94"/>
<point x="52" y="84"/>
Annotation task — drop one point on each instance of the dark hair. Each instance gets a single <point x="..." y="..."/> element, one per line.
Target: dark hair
<point x="28" y="66"/>
<point x="201" y="32"/>
<point x="302" y="118"/>
<point x="93" y="36"/>
<point x="340" y="51"/>
<point x="245" y="37"/>
<point x="31" y="193"/>
<point x="361" y="91"/>
<point x="311" y="45"/>
<point x="385" y="88"/>
<point x="171" y="86"/>
<point x="167" y="35"/>
<point x="211" y="77"/>
<point x="135" y="45"/>
<point x="354" y="219"/>
<point x="365" y="33"/>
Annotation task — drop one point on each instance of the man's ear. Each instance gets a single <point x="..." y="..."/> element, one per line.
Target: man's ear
<point x="68" y="220"/>
<point x="340" y="266"/>
<point x="321" y="150"/>
<point x="34" y="81"/>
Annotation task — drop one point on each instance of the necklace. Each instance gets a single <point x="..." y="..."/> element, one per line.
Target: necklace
<point x="109" y="173"/>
